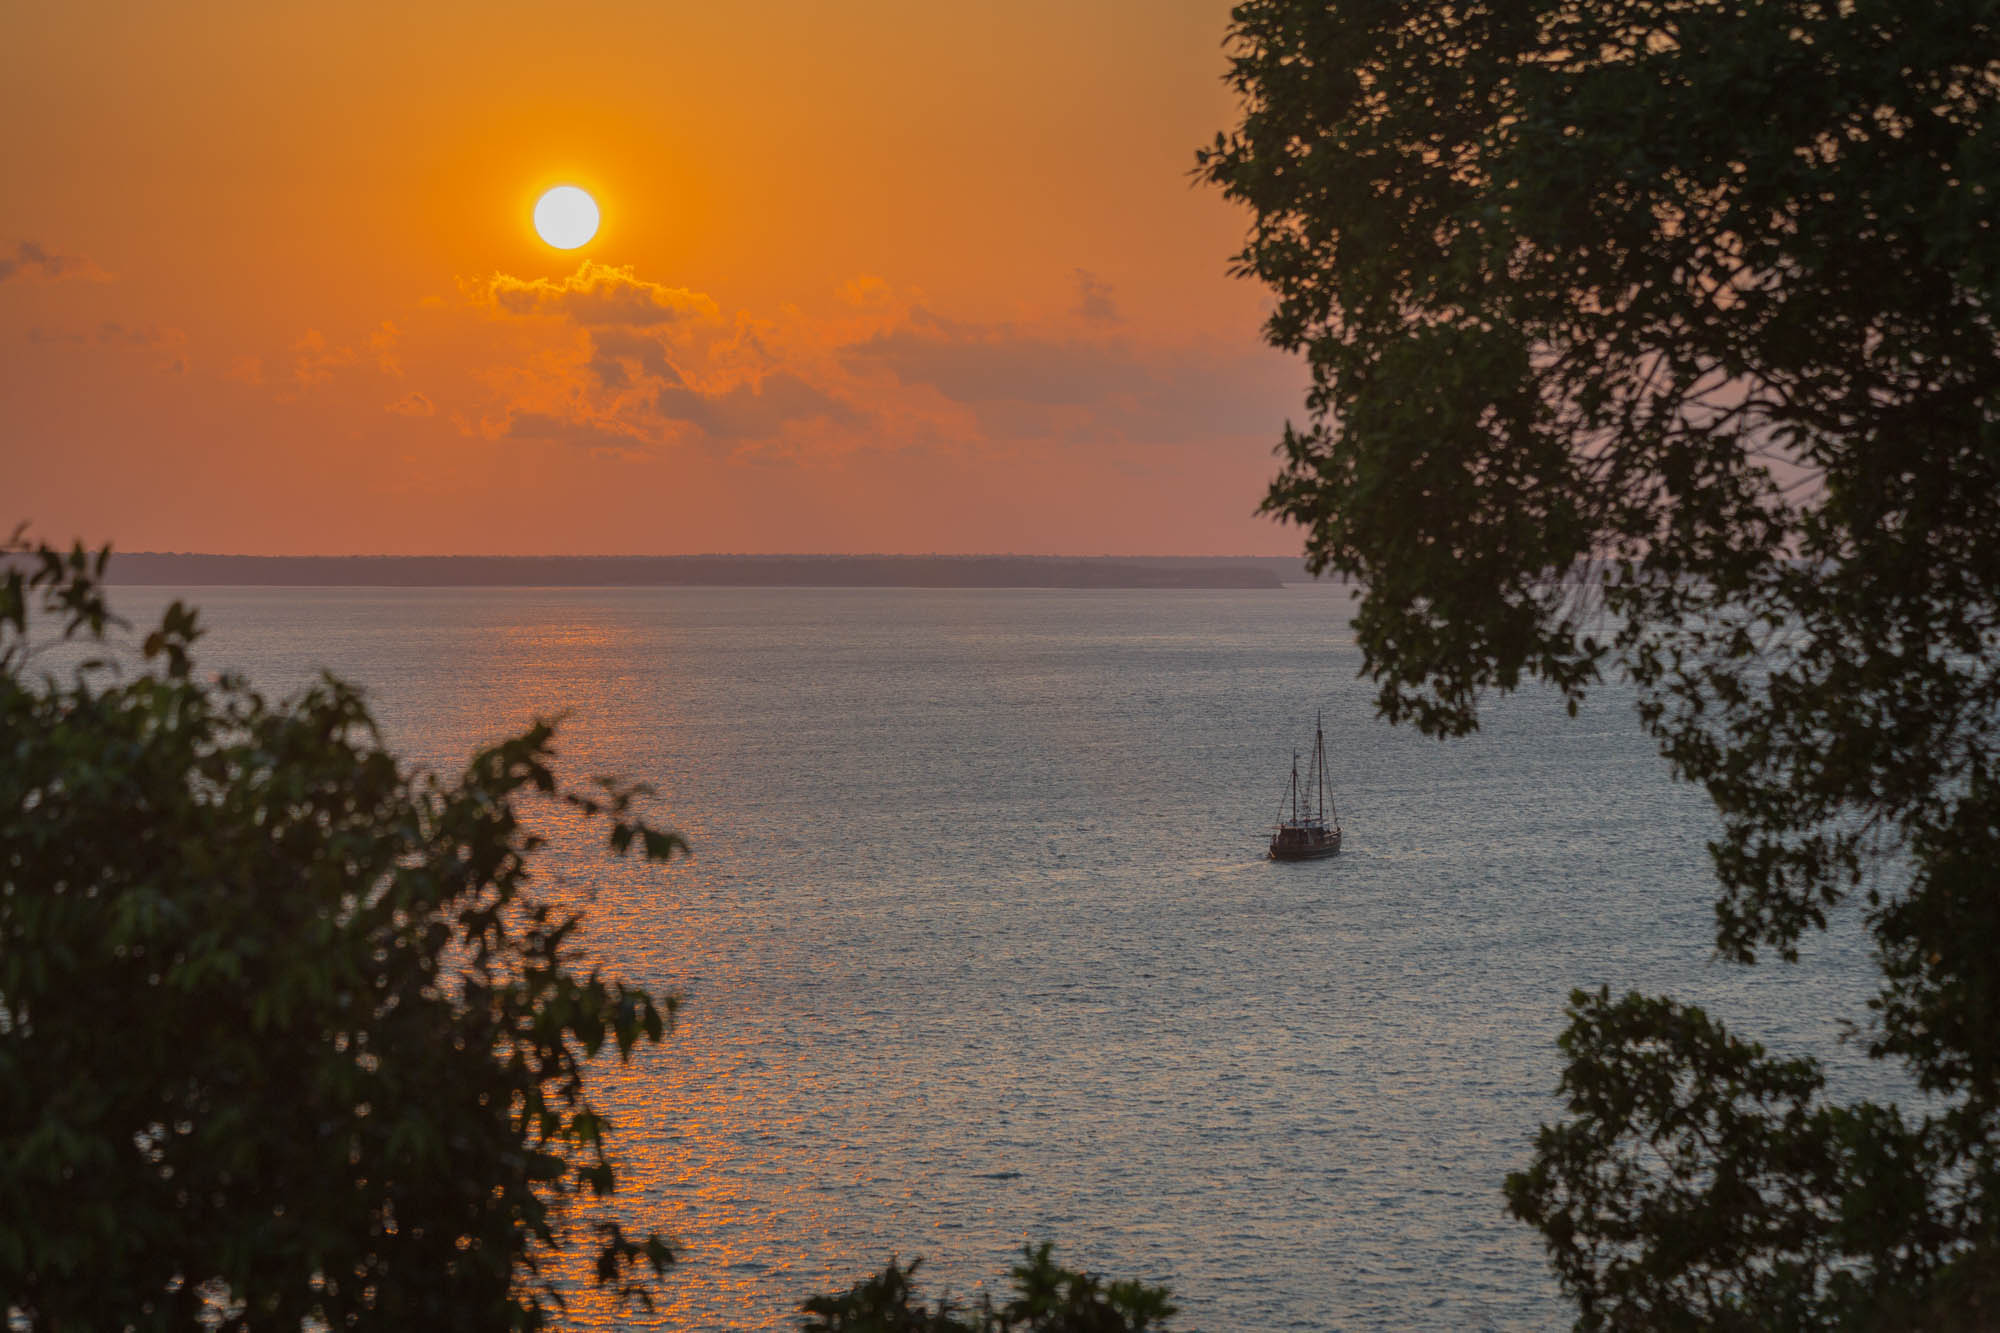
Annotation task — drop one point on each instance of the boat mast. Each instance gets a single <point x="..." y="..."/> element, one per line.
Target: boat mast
<point x="1295" y="786"/>
<point x="1319" y="762"/>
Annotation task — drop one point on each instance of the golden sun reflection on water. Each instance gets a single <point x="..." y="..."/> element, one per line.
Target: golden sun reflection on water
<point x="702" y="1155"/>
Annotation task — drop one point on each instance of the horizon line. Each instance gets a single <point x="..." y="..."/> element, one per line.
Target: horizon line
<point x="691" y="555"/>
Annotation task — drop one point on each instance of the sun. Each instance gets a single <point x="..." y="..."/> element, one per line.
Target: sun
<point x="566" y="217"/>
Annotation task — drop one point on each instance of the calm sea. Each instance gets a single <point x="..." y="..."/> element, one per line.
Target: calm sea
<point x="978" y="946"/>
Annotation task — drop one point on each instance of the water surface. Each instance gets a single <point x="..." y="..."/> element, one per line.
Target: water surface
<point x="978" y="945"/>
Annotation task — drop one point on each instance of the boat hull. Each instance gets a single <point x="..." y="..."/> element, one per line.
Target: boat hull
<point x="1286" y="849"/>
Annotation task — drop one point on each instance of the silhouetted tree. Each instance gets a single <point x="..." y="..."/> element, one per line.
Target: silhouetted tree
<point x="1047" y="1299"/>
<point x="1658" y="337"/>
<point x="287" y="1031"/>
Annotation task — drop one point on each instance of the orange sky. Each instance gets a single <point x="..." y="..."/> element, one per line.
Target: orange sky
<point x="872" y="277"/>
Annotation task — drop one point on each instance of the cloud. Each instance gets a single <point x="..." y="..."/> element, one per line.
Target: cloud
<point x="1093" y="299"/>
<point x="658" y="405"/>
<point x="112" y="333"/>
<point x="1036" y="382"/>
<point x="314" y="359"/>
<point x="30" y="260"/>
<point x="619" y="358"/>
<point x="610" y="362"/>
<point x="868" y="292"/>
<point x="998" y="363"/>
<point x="643" y="365"/>
<point x="617" y="436"/>
<point x="382" y="342"/>
<point x="412" y="404"/>
<point x="117" y="335"/>
<point x="659" y="383"/>
<point x="753" y="411"/>
<point x="596" y="295"/>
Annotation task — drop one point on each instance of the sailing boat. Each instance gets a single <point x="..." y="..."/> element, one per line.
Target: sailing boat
<point x="1308" y="836"/>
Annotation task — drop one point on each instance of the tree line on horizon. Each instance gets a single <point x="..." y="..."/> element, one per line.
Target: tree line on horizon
<point x="187" y="569"/>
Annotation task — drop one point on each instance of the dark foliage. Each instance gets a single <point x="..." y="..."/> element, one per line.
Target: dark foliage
<point x="1658" y="337"/>
<point x="287" y="1031"/>
<point x="1047" y="1299"/>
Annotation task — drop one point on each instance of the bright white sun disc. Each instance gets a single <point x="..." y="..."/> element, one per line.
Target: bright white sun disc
<point x="566" y="217"/>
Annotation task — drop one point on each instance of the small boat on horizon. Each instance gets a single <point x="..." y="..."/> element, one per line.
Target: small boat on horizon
<point x="1311" y="835"/>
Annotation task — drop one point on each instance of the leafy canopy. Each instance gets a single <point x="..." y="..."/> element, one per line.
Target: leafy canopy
<point x="287" y="1031"/>
<point x="1658" y="337"/>
<point x="1048" y="1298"/>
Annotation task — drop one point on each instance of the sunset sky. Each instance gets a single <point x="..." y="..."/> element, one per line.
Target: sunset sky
<point x="872" y="276"/>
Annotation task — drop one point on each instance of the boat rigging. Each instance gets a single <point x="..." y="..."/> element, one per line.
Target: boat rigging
<point x="1315" y="832"/>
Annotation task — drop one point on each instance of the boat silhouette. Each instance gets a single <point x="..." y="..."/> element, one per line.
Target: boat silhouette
<point x="1315" y="833"/>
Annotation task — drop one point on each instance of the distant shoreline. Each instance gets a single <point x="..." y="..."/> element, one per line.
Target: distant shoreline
<point x="174" y="569"/>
